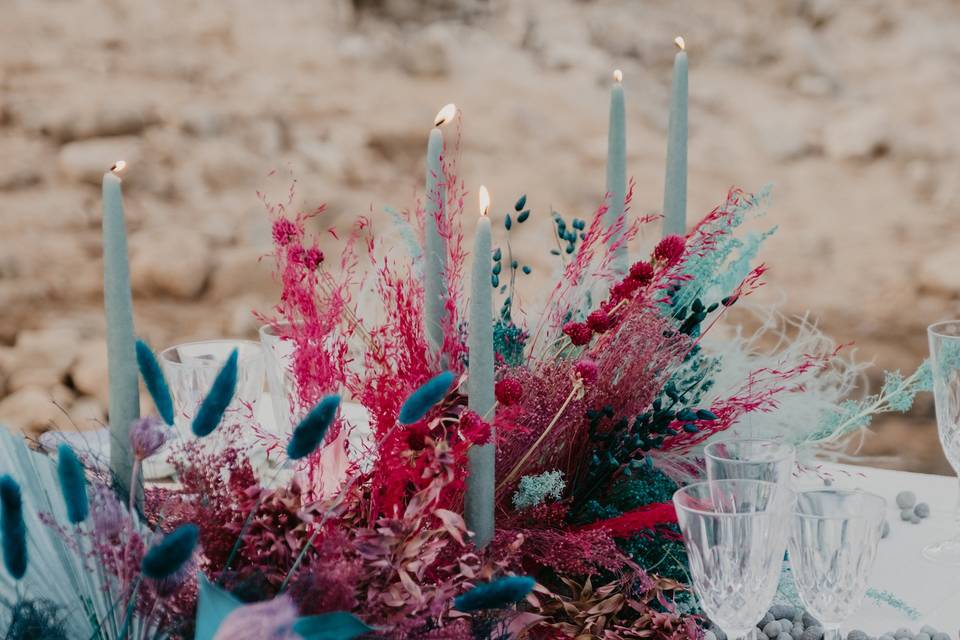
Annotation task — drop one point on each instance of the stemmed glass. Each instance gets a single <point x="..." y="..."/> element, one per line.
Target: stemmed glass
<point x="192" y="367"/>
<point x="735" y="534"/>
<point x="752" y="459"/>
<point x="833" y="546"/>
<point x="945" y="365"/>
<point x="278" y="353"/>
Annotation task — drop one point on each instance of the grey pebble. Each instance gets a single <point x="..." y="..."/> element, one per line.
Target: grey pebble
<point x="902" y="632"/>
<point x="885" y="530"/>
<point x="906" y="514"/>
<point x="812" y="633"/>
<point x="927" y="629"/>
<point x="915" y="519"/>
<point x="923" y="635"/>
<point x="784" y="636"/>
<point x="940" y="635"/>
<point x="922" y="509"/>
<point x="709" y="635"/>
<point x="717" y="631"/>
<point x="809" y="620"/>
<point x="886" y="636"/>
<point x="767" y="618"/>
<point x="772" y="629"/>
<point x="857" y="634"/>
<point x="906" y="499"/>
<point x="781" y="611"/>
<point x="785" y="625"/>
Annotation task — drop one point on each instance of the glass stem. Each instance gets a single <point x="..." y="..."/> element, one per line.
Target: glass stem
<point x="832" y="633"/>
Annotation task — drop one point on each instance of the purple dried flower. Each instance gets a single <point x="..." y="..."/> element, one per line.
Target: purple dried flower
<point x="270" y="620"/>
<point x="107" y="513"/>
<point x="147" y="436"/>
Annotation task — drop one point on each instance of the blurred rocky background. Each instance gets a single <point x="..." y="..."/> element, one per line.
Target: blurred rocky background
<point x="848" y="108"/>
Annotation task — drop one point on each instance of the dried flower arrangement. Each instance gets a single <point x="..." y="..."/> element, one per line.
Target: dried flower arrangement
<point x="601" y="406"/>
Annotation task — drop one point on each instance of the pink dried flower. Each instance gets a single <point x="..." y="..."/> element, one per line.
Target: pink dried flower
<point x="586" y="370"/>
<point x="623" y="289"/>
<point x="670" y="249"/>
<point x="313" y="258"/>
<point x="641" y="272"/>
<point x="475" y="429"/>
<point x="508" y="391"/>
<point x="599" y="321"/>
<point x="147" y="436"/>
<point x="579" y="333"/>
<point x="270" y="620"/>
<point x="284" y="230"/>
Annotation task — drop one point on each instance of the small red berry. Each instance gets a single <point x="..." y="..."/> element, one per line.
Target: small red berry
<point x="579" y="333"/>
<point x="508" y="391"/>
<point x="641" y="272"/>
<point x="586" y="370"/>
<point x="599" y="321"/>
<point x="670" y="249"/>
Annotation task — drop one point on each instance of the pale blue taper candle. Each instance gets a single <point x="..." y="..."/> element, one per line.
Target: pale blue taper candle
<point x="479" y="499"/>
<point x="675" y="184"/>
<point x="121" y="347"/>
<point x="617" y="170"/>
<point x="435" y="245"/>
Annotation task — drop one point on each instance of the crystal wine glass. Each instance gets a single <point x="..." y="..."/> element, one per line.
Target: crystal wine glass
<point x="945" y="365"/>
<point x="735" y="534"/>
<point x="191" y="368"/>
<point x="752" y="459"/>
<point x="833" y="545"/>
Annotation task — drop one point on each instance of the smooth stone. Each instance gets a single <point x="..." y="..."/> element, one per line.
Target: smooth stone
<point x="906" y="499"/>
<point x="709" y="635"/>
<point x="906" y="514"/>
<point x="89" y="372"/>
<point x="809" y="620"/>
<point x="812" y="633"/>
<point x="772" y="629"/>
<point x="902" y="632"/>
<point x="857" y="634"/>
<point x="940" y="635"/>
<point x="928" y="630"/>
<point x="784" y="636"/>
<point x="915" y="519"/>
<point x="781" y="611"/>
<point x="923" y="635"/>
<point x="169" y="263"/>
<point x="767" y="618"/>
<point x="31" y="410"/>
<point x="922" y="510"/>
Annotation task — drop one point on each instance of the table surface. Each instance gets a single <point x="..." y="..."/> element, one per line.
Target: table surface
<point x="932" y="590"/>
<point x="929" y="593"/>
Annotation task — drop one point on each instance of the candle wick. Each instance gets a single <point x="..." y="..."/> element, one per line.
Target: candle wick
<point x="681" y="44"/>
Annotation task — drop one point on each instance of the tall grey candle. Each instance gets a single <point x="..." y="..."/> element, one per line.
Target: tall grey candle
<point x="121" y="346"/>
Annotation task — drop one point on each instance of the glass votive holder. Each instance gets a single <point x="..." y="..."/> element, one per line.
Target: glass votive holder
<point x="281" y="382"/>
<point x="191" y="368"/>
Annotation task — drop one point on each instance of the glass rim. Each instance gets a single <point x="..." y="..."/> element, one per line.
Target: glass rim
<point x="935" y="328"/>
<point x="788" y="450"/>
<point x="267" y="329"/>
<point x="174" y="363"/>
<point x="719" y="514"/>
<point x="859" y="515"/>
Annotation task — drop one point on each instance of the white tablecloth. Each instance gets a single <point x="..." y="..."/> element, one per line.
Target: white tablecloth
<point x="901" y="570"/>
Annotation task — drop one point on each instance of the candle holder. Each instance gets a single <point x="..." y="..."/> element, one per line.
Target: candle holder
<point x="191" y="368"/>
<point x="281" y="383"/>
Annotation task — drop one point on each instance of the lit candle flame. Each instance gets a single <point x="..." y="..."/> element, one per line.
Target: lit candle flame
<point x="617" y="75"/>
<point x="445" y="115"/>
<point x="680" y="43"/>
<point x="118" y="167"/>
<point x="484" y="196"/>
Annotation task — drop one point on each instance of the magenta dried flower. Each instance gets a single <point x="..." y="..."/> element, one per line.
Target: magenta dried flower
<point x="586" y="370"/>
<point x="670" y="249"/>
<point x="578" y="332"/>
<point x="147" y="436"/>
<point x="270" y="620"/>
<point x="284" y="230"/>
